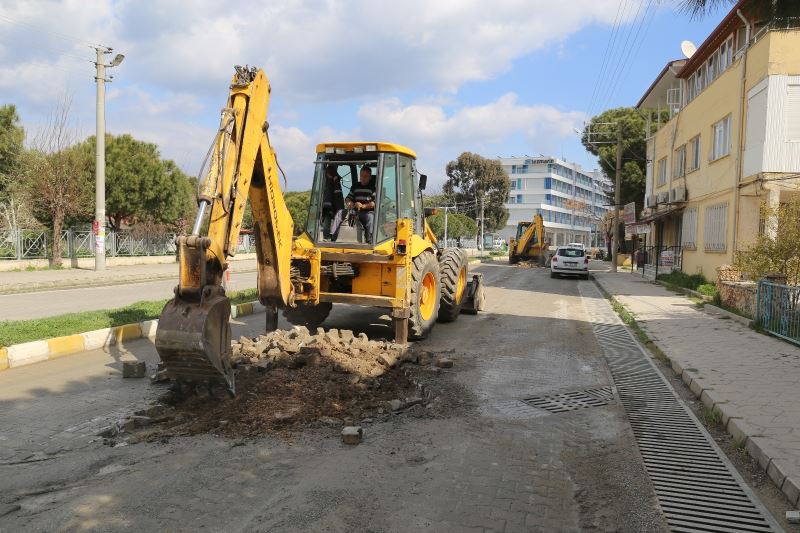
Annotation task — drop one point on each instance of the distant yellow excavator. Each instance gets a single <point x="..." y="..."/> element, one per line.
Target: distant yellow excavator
<point x="371" y="246"/>
<point x="529" y="244"/>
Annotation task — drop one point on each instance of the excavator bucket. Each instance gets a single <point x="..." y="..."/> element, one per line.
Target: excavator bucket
<point x="473" y="298"/>
<point x="194" y="339"/>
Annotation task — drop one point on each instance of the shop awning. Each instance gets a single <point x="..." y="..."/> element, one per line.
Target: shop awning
<point x="661" y="214"/>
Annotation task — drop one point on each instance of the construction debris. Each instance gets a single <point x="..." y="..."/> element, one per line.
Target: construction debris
<point x="352" y="435"/>
<point x="444" y="362"/>
<point x="290" y="380"/>
<point x="134" y="369"/>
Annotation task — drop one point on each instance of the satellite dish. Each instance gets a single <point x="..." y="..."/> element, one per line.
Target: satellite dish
<point x="688" y="48"/>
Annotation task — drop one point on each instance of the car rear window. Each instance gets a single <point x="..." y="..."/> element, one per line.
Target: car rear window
<point x="570" y="252"/>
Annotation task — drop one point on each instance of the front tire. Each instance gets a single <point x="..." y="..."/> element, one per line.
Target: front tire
<point x="425" y="295"/>
<point x="453" y="276"/>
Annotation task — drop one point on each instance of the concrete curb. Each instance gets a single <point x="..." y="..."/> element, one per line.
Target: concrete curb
<point x="742" y="433"/>
<point x="28" y="353"/>
<point x="684" y="290"/>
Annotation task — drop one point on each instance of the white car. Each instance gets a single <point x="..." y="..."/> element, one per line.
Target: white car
<point x="571" y="261"/>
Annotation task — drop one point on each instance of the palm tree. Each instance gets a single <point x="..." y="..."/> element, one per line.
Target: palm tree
<point x="777" y="10"/>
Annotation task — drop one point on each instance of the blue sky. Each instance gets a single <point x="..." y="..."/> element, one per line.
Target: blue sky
<point x="441" y="77"/>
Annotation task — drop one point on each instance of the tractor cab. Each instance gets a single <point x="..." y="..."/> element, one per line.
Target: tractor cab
<point x="360" y="190"/>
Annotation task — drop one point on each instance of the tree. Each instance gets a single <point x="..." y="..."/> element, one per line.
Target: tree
<point x="603" y="129"/>
<point x="472" y="178"/>
<point x="777" y="250"/>
<point x="779" y="10"/>
<point x="458" y="225"/>
<point x="297" y="203"/>
<point x="12" y="137"/>
<point x="56" y="177"/>
<point x="140" y="186"/>
<point x="13" y="210"/>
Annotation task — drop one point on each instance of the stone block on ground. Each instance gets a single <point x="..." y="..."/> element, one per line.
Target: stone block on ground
<point x="444" y="362"/>
<point x="352" y="435"/>
<point x="134" y="369"/>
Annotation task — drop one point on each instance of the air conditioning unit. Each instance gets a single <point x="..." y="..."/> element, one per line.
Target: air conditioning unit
<point x="662" y="197"/>
<point x="678" y="194"/>
<point x="650" y="201"/>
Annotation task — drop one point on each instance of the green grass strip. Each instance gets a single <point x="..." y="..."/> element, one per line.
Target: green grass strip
<point x="18" y="331"/>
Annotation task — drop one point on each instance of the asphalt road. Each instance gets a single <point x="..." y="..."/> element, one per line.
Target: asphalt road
<point x="57" y="302"/>
<point x="495" y="464"/>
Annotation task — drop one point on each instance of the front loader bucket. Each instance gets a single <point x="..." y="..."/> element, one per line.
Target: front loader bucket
<point x="194" y="339"/>
<point x="473" y="298"/>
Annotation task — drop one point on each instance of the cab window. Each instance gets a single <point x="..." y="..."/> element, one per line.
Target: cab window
<point x="387" y="212"/>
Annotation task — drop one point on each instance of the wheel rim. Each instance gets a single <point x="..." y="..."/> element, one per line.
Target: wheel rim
<point x="462" y="282"/>
<point x="427" y="296"/>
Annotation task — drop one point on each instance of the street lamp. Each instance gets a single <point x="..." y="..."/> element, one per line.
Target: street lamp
<point x="99" y="225"/>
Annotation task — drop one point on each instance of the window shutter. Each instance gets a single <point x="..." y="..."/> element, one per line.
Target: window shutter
<point x="793" y="113"/>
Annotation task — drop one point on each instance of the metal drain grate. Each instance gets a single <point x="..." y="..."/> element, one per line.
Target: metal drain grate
<point x="571" y="401"/>
<point x="696" y="486"/>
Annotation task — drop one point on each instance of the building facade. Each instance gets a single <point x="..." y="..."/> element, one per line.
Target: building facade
<point x="571" y="200"/>
<point x="728" y="142"/>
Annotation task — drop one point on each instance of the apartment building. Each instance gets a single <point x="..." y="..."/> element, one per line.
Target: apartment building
<point x="571" y="200"/>
<point x="729" y="140"/>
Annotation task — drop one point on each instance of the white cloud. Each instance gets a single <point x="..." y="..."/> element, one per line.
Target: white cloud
<point x="439" y="136"/>
<point x="179" y="58"/>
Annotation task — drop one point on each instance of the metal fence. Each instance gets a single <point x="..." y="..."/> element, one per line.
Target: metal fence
<point x="75" y="243"/>
<point x="777" y="309"/>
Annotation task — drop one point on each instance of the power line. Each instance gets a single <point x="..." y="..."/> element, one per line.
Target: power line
<point x="634" y="49"/>
<point x="42" y="30"/>
<point x="637" y="23"/>
<point x="611" y="38"/>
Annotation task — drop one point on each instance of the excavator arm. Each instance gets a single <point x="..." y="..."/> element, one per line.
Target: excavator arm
<point x="193" y="337"/>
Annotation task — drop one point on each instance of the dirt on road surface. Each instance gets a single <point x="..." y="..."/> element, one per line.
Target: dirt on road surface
<point x="290" y="380"/>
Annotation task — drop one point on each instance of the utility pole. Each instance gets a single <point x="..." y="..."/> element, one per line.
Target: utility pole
<point x="99" y="226"/>
<point x="482" y="241"/>
<point x="617" y="201"/>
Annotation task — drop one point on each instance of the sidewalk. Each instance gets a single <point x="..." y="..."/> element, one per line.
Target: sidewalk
<point x="749" y="377"/>
<point x="36" y="280"/>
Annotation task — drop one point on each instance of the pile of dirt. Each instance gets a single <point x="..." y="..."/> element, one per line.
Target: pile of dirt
<point x="292" y="380"/>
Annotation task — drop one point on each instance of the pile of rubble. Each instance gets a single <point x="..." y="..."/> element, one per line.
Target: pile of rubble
<point x="342" y="351"/>
<point x="289" y="380"/>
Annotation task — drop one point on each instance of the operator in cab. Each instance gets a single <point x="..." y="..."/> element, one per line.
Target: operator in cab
<point x="362" y="199"/>
<point x="332" y="203"/>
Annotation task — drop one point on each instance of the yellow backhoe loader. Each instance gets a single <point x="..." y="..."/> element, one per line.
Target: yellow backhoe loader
<point x="529" y="244"/>
<point x="366" y="250"/>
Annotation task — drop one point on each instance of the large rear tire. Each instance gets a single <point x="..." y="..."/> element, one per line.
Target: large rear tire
<point x="425" y="295"/>
<point x="453" y="274"/>
<point x="310" y="316"/>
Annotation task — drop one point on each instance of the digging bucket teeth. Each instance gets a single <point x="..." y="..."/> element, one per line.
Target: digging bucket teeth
<point x="194" y="339"/>
<point x="473" y="297"/>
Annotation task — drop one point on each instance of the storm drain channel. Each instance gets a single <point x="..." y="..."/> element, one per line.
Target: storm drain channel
<point x="697" y="487"/>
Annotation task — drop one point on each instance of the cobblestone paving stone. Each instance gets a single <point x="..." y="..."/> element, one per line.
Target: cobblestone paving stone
<point x="751" y="378"/>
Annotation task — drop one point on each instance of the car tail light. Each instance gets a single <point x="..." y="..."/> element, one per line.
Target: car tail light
<point x="585" y="260"/>
<point x="555" y="259"/>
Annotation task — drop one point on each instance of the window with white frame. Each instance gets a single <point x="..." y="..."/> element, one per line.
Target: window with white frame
<point x="694" y="154"/>
<point x="689" y="229"/>
<point x="679" y="164"/>
<point x="715" y="225"/>
<point x="721" y="138"/>
<point x="662" y="171"/>
<point x="710" y="71"/>
<point x="725" y="55"/>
